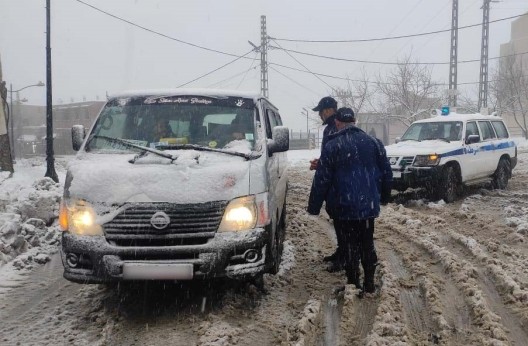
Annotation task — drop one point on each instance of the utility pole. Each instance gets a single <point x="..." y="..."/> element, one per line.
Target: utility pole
<point x="263" y="57"/>
<point x="483" y="81"/>
<point x="453" y="61"/>
<point x="50" y="170"/>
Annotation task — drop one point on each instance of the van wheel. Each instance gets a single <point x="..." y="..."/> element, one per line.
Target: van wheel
<point x="276" y="247"/>
<point x="502" y="174"/>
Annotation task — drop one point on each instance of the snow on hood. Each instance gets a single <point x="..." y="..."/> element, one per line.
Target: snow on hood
<point x="421" y="148"/>
<point x="194" y="177"/>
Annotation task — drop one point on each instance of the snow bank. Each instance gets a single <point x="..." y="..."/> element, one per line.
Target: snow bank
<point x="29" y="206"/>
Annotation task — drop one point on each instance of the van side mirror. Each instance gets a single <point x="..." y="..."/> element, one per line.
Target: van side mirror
<point x="78" y="134"/>
<point x="472" y="139"/>
<point x="280" y="141"/>
<point x="397" y="140"/>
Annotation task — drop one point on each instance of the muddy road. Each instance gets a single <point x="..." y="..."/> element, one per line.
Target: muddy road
<point x="452" y="274"/>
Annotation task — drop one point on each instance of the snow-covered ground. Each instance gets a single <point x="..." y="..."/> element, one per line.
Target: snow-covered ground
<point x="473" y="252"/>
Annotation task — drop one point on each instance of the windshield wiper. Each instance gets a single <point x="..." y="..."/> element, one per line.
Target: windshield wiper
<point x="410" y="139"/>
<point x="201" y="148"/>
<point x="134" y="146"/>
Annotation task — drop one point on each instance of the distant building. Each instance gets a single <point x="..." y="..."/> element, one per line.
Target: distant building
<point x="518" y="41"/>
<point x="30" y="126"/>
<point x="518" y="45"/>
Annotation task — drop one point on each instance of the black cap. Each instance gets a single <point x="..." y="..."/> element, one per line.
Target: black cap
<point x="326" y="102"/>
<point x="345" y="115"/>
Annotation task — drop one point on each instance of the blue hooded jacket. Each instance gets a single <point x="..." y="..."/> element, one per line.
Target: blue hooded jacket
<point x="352" y="174"/>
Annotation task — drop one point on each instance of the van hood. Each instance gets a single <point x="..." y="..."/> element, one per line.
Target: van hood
<point x="412" y="148"/>
<point x="194" y="177"/>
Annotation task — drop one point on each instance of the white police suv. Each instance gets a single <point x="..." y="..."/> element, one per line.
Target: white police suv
<point x="448" y="151"/>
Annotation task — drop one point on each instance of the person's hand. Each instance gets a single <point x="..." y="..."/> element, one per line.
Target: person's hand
<point x="313" y="164"/>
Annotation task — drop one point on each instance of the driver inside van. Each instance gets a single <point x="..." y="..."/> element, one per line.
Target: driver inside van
<point x="162" y="129"/>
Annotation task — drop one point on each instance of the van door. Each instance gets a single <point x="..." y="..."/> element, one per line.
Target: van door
<point x="275" y="165"/>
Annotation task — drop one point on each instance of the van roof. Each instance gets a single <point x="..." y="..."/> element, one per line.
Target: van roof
<point x="195" y="91"/>
<point x="459" y="117"/>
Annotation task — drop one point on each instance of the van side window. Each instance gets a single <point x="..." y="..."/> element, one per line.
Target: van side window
<point x="472" y="129"/>
<point x="500" y="129"/>
<point x="278" y="119"/>
<point x="487" y="130"/>
<point x="271" y="122"/>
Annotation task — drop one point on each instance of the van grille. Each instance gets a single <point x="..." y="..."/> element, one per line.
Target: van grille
<point x="189" y="224"/>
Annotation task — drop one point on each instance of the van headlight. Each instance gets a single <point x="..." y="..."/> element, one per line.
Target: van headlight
<point x="426" y="160"/>
<point x="245" y="213"/>
<point x="79" y="217"/>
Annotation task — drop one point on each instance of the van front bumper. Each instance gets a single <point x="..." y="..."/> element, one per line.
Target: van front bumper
<point x="92" y="259"/>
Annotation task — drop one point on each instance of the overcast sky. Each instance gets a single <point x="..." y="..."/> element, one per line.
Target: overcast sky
<point x="94" y="53"/>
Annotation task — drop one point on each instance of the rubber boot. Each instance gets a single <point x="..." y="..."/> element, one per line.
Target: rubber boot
<point x="353" y="278"/>
<point x="368" y="284"/>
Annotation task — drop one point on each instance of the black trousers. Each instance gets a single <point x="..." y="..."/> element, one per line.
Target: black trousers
<point x="355" y="243"/>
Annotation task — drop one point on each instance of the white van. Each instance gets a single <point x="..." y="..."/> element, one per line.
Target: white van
<point x="451" y="150"/>
<point x="176" y="185"/>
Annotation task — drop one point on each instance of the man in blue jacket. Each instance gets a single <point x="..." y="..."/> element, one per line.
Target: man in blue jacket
<point x="353" y="176"/>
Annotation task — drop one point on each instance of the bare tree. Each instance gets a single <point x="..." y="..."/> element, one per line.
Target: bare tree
<point x="357" y="93"/>
<point x="407" y="93"/>
<point x="510" y="89"/>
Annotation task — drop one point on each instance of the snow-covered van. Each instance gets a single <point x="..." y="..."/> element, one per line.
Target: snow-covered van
<point x="450" y="150"/>
<point x="176" y="185"/>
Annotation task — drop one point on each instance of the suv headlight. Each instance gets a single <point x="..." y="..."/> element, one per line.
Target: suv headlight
<point x="426" y="160"/>
<point x="79" y="217"/>
<point x="245" y="213"/>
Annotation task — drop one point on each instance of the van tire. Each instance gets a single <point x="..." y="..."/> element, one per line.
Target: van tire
<point x="502" y="174"/>
<point x="277" y="244"/>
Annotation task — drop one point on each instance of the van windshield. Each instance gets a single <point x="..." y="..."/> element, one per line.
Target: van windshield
<point x="446" y="130"/>
<point x="162" y="121"/>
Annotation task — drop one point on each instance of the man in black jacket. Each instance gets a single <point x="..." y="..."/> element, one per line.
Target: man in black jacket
<point x="353" y="177"/>
<point x="327" y="108"/>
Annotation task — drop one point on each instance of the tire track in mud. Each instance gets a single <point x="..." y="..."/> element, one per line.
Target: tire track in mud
<point x="48" y="310"/>
<point x="479" y="295"/>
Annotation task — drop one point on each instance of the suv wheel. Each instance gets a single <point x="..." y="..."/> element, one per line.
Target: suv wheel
<point x="448" y="186"/>
<point x="502" y="174"/>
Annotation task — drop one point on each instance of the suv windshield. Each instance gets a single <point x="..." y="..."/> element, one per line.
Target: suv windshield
<point x="445" y="130"/>
<point x="165" y="121"/>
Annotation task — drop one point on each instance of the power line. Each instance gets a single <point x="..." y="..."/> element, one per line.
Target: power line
<point x="232" y="77"/>
<point x="158" y="33"/>
<point x="293" y="80"/>
<point x="385" y="62"/>
<point x="368" y="81"/>
<point x="394" y="37"/>
<point x="216" y="69"/>
<point x="250" y="67"/>
<point x="306" y="68"/>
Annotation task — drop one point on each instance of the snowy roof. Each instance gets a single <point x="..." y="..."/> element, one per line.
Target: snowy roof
<point x="201" y="92"/>
<point x="459" y="117"/>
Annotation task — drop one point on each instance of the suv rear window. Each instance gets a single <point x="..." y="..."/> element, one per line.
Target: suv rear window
<point x="500" y="129"/>
<point x="487" y="130"/>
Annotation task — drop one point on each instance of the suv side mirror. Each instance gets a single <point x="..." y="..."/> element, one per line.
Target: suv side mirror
<point x="78" y="134"/>
<point x="280" y="141"/>
<point x="397" y="139"/>
<point x="472" y="139"/>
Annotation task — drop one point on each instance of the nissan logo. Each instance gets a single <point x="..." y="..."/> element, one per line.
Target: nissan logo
<point x="160" y="220"/>
<point x="393" y="160"/>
